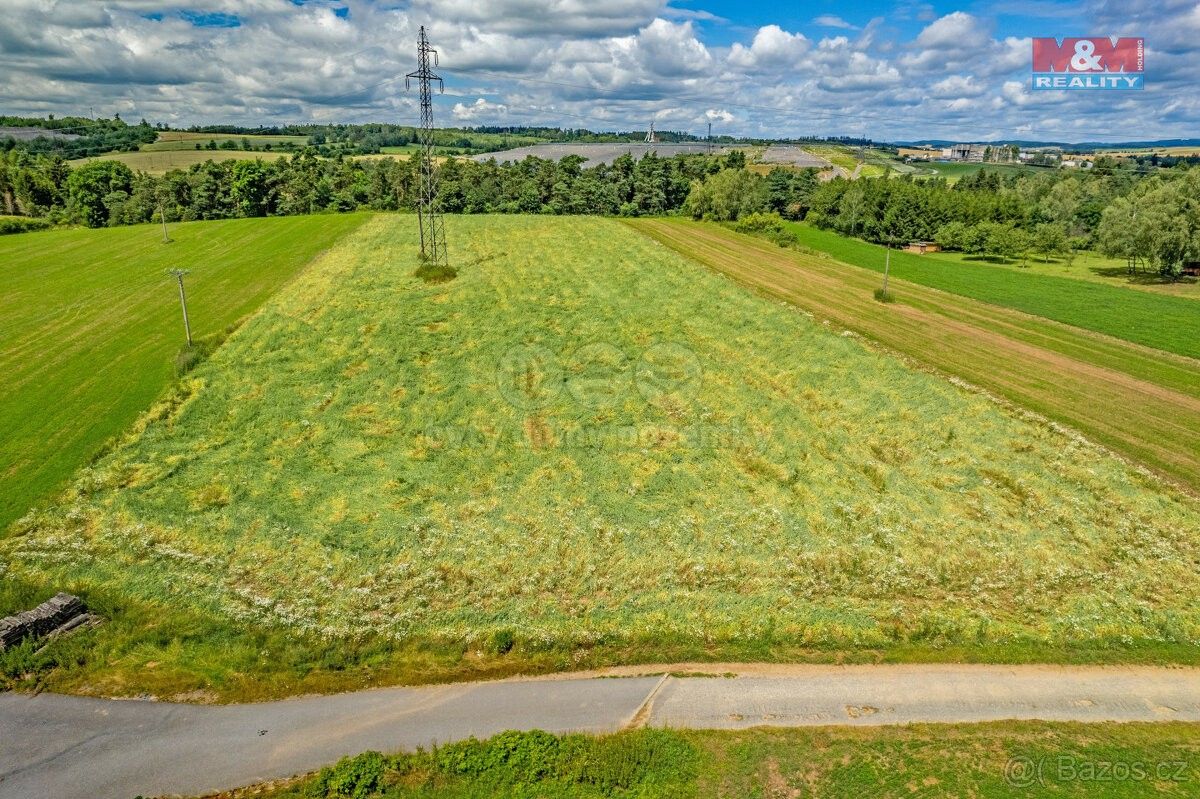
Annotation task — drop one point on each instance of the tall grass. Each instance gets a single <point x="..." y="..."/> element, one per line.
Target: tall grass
<point x="586" y="445"/>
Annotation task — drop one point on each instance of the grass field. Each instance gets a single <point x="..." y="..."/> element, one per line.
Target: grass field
<point x="1006" y="759"/>
<point x="160" y="162"/>
<point x="91" y="324"/>
<point x="953" y="171"/>
<point x="845" y="157"/>
<point x="1141" y="402"/>
<point x="169" y="140"/>
<point x="376" y="480"/>
<point x="1169" y="323"/>
<point x="1090" y="266"/>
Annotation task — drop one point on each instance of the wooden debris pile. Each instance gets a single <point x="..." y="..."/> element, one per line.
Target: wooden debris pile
<point x="57" y="615"/>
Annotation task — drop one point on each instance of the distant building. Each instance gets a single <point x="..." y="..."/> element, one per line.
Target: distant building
<point x="919" y="153"/>
<point x="922" y="247"/>
<point x="971" y="153"/>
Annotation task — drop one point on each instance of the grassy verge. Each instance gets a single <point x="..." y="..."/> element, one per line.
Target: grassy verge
<point x="1005" y="759"/>
<point x="1163" y="322"/>
<point x="90" y="323"/>
<point x="1140" y="402"/>
<point x="584" y="449"/>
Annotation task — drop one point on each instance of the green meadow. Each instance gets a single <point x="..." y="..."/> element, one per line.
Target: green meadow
<point x="584" y="449"/>
<point x="1170" y="323"/>
<point x="90" y="325"/>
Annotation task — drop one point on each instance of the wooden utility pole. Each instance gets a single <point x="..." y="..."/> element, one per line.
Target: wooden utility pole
<point x="187" y="327"/>
<point x="163" y="215"/>
<point x="887" y="267"/>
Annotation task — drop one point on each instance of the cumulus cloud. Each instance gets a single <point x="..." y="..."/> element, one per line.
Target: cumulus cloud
<point x="613" y="65"/>
<point x="480" y="109"/>
<point x="772" y="48"/>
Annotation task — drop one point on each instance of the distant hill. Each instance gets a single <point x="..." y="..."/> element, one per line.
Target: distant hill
<point x="1083" y="146"/>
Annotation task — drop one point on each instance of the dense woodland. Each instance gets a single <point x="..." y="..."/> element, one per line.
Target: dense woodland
<point x="1151" y="219"/>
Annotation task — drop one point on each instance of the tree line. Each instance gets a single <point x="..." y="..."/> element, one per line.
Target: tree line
<point x="102" y="192"/>
<point x="79" y="137"/>
<point x="1152" y="220"/>
<point x="1145" y="219"/>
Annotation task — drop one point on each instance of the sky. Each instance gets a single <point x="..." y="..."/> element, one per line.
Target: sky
<point x="889" y="70"/>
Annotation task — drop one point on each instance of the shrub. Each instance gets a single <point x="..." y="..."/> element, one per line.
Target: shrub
<point x="502" y="642"/>
<point x="759" y="222"/>
<point x="768" y="225"/>
<point x="21" y="224"/>
<point x="358" y="777"/>
<point x="884" y="296"/>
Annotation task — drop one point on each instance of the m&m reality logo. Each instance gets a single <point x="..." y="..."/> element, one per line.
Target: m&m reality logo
<point x="1092" y="62"/>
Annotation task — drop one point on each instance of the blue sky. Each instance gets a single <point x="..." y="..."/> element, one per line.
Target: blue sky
<point x="887" y="70"/>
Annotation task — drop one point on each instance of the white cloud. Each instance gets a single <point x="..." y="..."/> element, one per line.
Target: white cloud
<point x="773" y="47"/>
<point x="957" y="86"/>
<point x="833" y="21"/>
<point x="479" y="109"/>
<point x="718" y="115"/>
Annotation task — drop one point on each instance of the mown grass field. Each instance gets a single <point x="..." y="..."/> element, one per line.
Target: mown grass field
<point x="1005" y="759"/>
<point x="1089" y="266"/>
<point x="185" y="140"/>
<point x="1169" y="323"/>
<point x="584" y="449"/>
<point x="954" y="171"/>
<point x="159" y="162"/>
<point x="90" y="325"/>
<point x="1143" y="403"/>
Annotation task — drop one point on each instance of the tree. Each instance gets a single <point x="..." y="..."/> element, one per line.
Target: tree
<point x="952" y="236"/>
<point x="89" y="186"/>
<point x="727" y="195"/>
<point x="250" y="189"/>
<point x="1049" y="239"/>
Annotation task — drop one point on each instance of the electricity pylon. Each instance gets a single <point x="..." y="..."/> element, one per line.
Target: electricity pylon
<point x="433" y="228"/>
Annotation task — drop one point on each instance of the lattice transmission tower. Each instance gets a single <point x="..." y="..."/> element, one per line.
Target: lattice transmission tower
<point x="433" y="228"/>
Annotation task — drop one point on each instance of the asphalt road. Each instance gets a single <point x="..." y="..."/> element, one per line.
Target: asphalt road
<point x="61" y="747"/>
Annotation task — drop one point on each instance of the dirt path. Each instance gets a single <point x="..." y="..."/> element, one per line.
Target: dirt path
<point x="1068" y="375"/>
<point x="66" y="747"/>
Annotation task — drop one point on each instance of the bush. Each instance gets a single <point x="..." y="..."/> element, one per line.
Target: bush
<point x="759" y="222"/>
<point x="358" y="777"/>
<point x="21" y="224"/>
<point x="769" y="226"/>
<point x="884" y="296"/>
<point x="502" y="642"/>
